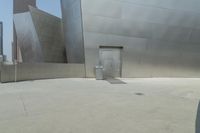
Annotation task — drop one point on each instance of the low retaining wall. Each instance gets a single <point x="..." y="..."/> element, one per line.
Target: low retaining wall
<point x="32" y="71"/>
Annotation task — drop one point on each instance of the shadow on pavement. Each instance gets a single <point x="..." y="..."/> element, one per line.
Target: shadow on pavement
<point x="115" y="81"/>
<point x="198" y="120"/>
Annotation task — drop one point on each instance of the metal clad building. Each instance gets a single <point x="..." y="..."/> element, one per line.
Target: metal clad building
<point x="40" y="37"/>
<point x="73" y="31"/>
<point x="139" y="38"/>
<point x="19" y="6"/>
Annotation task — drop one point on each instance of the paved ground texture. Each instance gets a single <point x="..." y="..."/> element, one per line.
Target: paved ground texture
<point x="90" y="106"/>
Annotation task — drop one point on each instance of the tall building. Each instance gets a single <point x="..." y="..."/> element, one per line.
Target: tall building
<point x="158" y="38"/>
<point x="73" y="32"/>
<point x="2" y="56"/>
<point x="19" y="6"/>
<point x="1" y="38"/>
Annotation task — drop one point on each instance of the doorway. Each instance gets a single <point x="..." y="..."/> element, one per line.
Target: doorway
<point x="111" y="60"/>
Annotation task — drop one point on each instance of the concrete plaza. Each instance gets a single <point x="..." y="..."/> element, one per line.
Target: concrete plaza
<point x="88" y="106"/>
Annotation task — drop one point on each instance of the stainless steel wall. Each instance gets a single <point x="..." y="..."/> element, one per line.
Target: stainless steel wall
<point x="1" y="38"/>
<point x="160" y="38"/>
<point x="27" y="38"/>
<point x="40" y="37"/>
<point x="73" y="33"/>
<point x="19" y="6"/>
<point x="50" y="34"/>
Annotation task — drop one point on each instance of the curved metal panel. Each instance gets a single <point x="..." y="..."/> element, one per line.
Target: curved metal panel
<point x="73" y="33"/>
<point x="160" y="38"/>
<point x="50" y="35"/>
<point x="27" y="38"/>
<point x="40" y="37"/>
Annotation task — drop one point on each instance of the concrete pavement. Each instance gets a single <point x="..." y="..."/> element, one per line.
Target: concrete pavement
<point x="90" y="106"/>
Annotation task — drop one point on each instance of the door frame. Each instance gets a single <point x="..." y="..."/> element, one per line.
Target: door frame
<point x="114" y="47"/>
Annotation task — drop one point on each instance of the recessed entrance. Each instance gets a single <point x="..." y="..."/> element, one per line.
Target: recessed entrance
<point x="110" y="59"/>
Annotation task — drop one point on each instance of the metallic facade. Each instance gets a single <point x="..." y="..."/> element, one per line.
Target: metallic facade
<point x="40" y="37"/>
<point x="160" y="38"/>
<point x="157" y="38"/>
<point x="19" y="6"/>
<point x="73" y="31"/>
<point x="1" y="38"/>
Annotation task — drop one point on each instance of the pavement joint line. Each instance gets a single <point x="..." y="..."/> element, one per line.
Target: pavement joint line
<point x="24" y="105"/>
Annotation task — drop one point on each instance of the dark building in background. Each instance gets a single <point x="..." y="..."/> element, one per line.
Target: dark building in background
<point x="19" y="6"/>
<point x="1" y="38"/>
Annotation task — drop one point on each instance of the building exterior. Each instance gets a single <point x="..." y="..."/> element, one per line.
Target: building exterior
<point x="19" y="6"/>
<point x="73" y="32"/>
<point x="124" y="38"/>
<point x="1" y="38"/>
<point x="40" y="37"/>
<point x="2" y="56"/>
<point x="134" y="38"/>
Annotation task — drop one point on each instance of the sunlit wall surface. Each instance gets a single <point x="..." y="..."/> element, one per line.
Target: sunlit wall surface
<point x="40" y="37"/>
<point x="160" y="38"/>
<point x="19" y="6"/>
<point x="73" y="32"/>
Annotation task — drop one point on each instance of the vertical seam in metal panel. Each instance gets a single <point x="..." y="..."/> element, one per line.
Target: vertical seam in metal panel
<point x="63" y="31"/>
<point x="81" y="14"/>
<point x="35" y="30"/>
